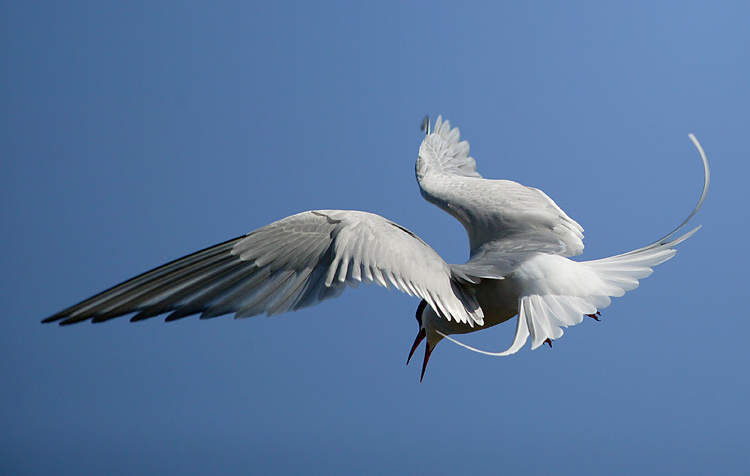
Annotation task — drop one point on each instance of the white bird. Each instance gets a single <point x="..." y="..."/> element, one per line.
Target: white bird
<point x="520" y="242"/>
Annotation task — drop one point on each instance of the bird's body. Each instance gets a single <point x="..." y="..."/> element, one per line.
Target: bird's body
<point x="520" y="243"/>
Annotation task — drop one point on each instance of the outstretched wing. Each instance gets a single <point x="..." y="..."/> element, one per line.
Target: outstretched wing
<point x="295" y="262"/>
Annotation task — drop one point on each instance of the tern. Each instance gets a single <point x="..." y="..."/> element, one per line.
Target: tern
<point x="520" y="241"/>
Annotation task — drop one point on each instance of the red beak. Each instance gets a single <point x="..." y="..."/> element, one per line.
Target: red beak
<point x="417" y="341"/>
<point x="427" y="353"/>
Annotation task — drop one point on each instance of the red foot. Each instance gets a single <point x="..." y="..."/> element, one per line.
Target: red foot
<point x="548" y="341"/>
<point x="595" y="316"/>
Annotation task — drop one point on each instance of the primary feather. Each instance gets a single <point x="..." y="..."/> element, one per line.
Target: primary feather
<point x="293" y="263"/>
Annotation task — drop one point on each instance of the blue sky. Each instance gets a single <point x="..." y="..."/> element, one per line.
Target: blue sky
<point x="134" y="133"/>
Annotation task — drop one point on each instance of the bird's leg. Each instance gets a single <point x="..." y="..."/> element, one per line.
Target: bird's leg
<point x="595" y="316"/>
<point x="548" y="341"/>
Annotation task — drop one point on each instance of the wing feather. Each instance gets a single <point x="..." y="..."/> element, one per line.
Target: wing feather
<point x="452" y="156"/>
<point x="293" y="263"/>
<point x="500" y="214"/>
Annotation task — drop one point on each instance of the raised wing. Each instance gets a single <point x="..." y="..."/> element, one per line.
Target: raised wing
<point x="295" y="262"/>
<point x="500" y="216"/>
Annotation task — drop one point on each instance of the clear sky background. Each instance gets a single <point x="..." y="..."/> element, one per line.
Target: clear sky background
<point x="137" y="132"/>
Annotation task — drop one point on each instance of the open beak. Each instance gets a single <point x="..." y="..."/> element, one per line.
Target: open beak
<point x="427" y="351"/>
<point x="417" y="341"/>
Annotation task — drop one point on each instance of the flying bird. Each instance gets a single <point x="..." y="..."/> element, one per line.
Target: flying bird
<point x="519" y="265"/>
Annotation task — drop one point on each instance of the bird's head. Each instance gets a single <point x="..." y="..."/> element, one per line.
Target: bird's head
<point x="426" y="317"/>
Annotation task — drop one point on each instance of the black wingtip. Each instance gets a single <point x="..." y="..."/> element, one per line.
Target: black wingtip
<point x="426" y="125"/>
<point x="70" y="322"/>
<point x="60" y="316"/>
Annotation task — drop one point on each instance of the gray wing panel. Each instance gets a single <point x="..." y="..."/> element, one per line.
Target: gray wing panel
<point x="295" y="262"/>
